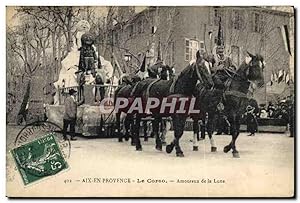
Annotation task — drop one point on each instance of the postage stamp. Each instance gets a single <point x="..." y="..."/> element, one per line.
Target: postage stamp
<point x="39" y="159"/>
<point x="35" y="130"/>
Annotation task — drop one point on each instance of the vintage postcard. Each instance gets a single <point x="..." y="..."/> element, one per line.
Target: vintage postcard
<point x="152" y="101"/>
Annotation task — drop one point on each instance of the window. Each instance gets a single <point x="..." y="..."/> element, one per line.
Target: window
<point x="202" y="46"/>
<point x="257" y="22"/>
<point x="238" y="20"/>
<point x="153" y="29"/>
<point x="191" y="47"/>
<point x="235" y="52"/>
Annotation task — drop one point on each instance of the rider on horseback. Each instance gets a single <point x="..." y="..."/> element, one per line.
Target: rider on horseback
<point x="222" y="71"/>
<point x="223" y="66"/>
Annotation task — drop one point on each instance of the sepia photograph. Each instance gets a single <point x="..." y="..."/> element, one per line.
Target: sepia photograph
<point x="150" y="101"/>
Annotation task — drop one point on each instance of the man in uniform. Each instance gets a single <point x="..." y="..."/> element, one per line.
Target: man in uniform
<point x="223" y="67"/>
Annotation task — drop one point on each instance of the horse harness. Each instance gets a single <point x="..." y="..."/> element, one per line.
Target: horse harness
<point x="228" y="83"/>
<point x="172" y="87"/>
<point x="133" y="89"/>
<point x="149" y="87"/>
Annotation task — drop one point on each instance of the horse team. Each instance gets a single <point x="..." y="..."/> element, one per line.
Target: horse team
<point x="196" y="81"/>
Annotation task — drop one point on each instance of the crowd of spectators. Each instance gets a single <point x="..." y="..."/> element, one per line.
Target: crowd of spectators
<point x="279" y="110"/>
<point x="283" y="110"/>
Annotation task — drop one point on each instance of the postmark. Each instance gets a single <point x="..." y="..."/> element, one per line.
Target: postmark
<point x="39" y="129"/>
<point x="39" y="159"/>
<point x="40" y="151"/>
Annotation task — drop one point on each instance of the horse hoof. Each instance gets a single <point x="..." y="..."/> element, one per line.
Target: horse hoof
<point x="126" y="138"/>
<point x="169" y="148"/>
<point x="132" y="144"/>
<point x="120" y="140"/>
<point x="139" y="149"/>
<point x="158" y="147"/>
<point x="179" y="154"/>
<point x="195" y="148"/>
<point x="213" y="149"/>
<point x="235" y="155"/>
<point x="146" y="139"/>
<point x="226" y="149"/>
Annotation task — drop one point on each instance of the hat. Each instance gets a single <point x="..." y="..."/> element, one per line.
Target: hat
<point x="249" y="107"/>
<point x="72" y="91"/>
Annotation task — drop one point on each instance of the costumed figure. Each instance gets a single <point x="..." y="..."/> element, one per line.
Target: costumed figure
<point x="222" y="67"/>
<point x="100" y="79"/>
<point x="88" y="56"/>
<point x="87" y="61"/>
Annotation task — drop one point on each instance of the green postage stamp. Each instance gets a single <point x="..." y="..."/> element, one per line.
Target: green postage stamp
<point x="39" y="159"/>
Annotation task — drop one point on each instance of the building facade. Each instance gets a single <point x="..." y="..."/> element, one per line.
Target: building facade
<point x="181" y="31"/>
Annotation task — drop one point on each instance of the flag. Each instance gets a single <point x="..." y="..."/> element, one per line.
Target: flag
<point x="272" y="79"/>
<point x="220" y="37"/>
<point x="210" y="34"/>
<point x="285" y="37"/>
<point x="287" y="78"/>
<point x="281" y="75"/>
<point x="143" y="65"/>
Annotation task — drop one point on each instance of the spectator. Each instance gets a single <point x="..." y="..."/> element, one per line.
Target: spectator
<point x="263" y="113"/>
<point x="270" y="110"/>
<point x="70" y="115"/>
<point x="251" y="120"/>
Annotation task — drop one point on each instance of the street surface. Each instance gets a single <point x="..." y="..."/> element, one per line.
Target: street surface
<point x="265" y="168"/>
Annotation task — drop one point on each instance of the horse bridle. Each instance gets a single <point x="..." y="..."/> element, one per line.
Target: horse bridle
<point x="198" y="73"/>
<point x="231" y="77"/>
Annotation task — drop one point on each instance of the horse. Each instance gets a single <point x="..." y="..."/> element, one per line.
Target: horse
<point x="207" y="101"/>
<point x="158" y="70"/>
<point x="129" y="82"/>
<point x="231" y="90"/>
<point x="123" y="91"/>
<point x="183" y="85"/>
<point x="235" y="96"/>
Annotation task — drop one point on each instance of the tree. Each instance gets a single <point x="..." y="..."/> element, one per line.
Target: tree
<point x="39" y="43"/>
<point x="27" y="49"/>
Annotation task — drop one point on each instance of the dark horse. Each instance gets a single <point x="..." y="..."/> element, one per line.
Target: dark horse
<point x="164" y="72"/>
<point x="123" y="91"/>
<point x="207" y="101"/>
<point x="235" y="96"/>
<point x="233" y="88"/>
<point x="182" y="86"/>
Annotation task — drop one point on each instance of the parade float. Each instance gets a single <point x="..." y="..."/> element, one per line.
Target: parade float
<point x="73" y="75"/>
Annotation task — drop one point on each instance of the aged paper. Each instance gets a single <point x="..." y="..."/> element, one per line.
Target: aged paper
<point x="135" y="101"/>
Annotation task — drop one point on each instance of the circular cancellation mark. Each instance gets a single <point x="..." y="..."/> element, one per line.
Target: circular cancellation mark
<point x="39" y="129"/>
